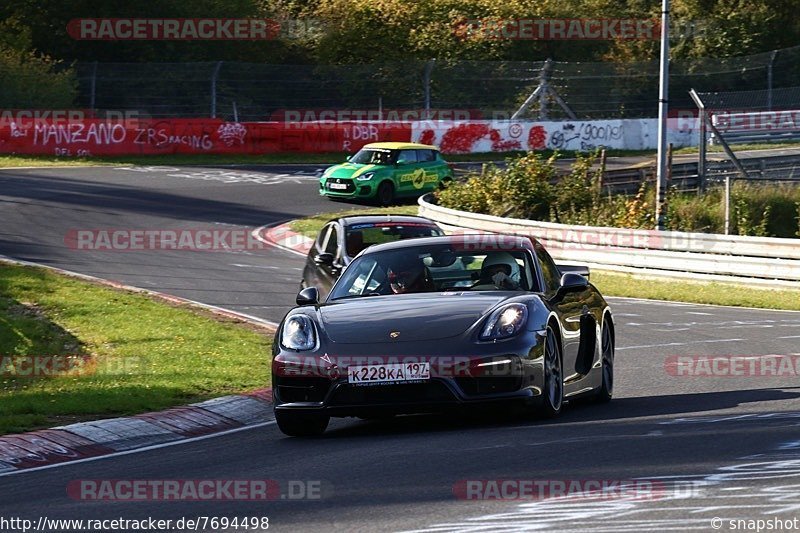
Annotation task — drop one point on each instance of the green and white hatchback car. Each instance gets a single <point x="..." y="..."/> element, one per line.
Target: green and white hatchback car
<point x="384" y="171"/>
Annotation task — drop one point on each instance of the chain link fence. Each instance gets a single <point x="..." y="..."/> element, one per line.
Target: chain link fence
<point x="253" y="91"/>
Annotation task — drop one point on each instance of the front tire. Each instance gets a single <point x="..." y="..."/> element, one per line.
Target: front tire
<point x="385" y="194"/>
<point x="606" y="391"/>
<point x="553" y="377"/>
<point x="296" y="424"/>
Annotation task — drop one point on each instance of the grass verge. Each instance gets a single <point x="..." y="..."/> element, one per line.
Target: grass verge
<point x="127" y="352"/>
<point x="730" y="294"/>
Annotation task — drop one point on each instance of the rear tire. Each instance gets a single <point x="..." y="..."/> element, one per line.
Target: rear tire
<point x="385" y="194"/>
<point x="296" y="424"/>
<point x="606" y="391"/>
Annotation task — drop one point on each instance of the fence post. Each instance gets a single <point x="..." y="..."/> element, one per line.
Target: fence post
<point x="727" y="204"/>
<point x="93" y="89"/>
<point x="701" y="146"/>
<point x="769" y="78"/>
<point x="602" y="171"/>
<point x="214" y="89"/>
<point x="669" y="165"/>
<point x="426" y="80"/>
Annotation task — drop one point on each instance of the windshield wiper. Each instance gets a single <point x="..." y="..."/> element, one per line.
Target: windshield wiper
<point x="372" y="293"/>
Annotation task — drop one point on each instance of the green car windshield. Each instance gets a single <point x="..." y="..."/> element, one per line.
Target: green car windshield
<point x="373" y="156"/>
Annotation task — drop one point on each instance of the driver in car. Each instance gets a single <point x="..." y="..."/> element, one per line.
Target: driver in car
<point x="499" y="271"/>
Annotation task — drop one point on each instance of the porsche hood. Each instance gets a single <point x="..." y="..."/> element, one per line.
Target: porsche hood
<point x="410" y="317"/>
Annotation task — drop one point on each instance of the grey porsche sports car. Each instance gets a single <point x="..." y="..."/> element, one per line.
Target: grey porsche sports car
<point x="432" y="324"/>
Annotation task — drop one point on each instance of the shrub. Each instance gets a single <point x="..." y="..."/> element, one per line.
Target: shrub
<point x="31" y="81"/>
<point x="529" y="188"/>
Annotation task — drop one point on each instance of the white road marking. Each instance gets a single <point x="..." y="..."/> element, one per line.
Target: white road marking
<point x="622" y="300"/>
<point x="268" y="267"/>
<point x="139" y="450"/>
<point x="790" y="337"/>
<point x="679" y="343"/>
<point x="698" y="313"/>
<point x="747" y="326"/>
<point x="692" y="494"/>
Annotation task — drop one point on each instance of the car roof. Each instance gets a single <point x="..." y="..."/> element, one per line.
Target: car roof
<point x="477" y="241"/>
<point x="374" y="218"/>
<point x="401" y="146"/>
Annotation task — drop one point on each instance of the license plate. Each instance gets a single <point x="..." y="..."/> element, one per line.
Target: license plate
<point x="337" y="185"/>
<point x="388" y="373"/>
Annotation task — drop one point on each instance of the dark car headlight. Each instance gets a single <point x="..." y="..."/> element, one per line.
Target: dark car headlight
<point x="298" y="333"/>
<point x="504" y="322"/>
<point x="366" y="177"/>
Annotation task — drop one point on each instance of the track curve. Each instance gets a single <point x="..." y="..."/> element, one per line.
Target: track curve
<point x="733" y="440"/>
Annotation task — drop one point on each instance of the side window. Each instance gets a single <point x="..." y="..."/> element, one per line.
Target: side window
<point x="332" y="246"/>
<point x="550" y="272"/>
<point x="409" y="156"/>
<point x="319" y="244"/>
<point x="425" y="156"/>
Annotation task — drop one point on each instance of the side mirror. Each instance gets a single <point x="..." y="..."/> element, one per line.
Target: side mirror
<point x="308" y="296"/>
<point x="401" y="162"/>
<point x="576" y="269"/>
<point x="323" y="259"/>
<point x="572" y="282"/>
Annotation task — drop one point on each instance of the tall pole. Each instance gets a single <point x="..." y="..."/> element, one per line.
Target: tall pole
<point x="663" y="93"/>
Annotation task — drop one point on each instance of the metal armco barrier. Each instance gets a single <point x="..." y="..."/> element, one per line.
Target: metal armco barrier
<point x="709" y="257"/>
<point x="758" y="126"/>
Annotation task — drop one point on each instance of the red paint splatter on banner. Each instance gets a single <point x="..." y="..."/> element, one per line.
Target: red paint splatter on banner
<point x="462" y="138"/>
<point x="499" y="145"/>
<point x="537" y="138"/>
<point x="427" y="137"/>
<point x="459" y="140"/>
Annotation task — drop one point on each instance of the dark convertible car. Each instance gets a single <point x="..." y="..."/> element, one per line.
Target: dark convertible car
<point x="341" y="239"/>
<point x="431" y="324"/>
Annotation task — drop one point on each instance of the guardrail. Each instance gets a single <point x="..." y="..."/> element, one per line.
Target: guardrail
<point x="757" y="126"/>
<point x="699" y="256"/>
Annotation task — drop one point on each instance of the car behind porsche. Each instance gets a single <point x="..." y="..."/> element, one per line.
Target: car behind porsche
<point x="432" y="324"/>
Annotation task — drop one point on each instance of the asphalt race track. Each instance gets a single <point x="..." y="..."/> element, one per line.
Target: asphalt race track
<point x="714" y="447"/>
<point x="41" y="206"/>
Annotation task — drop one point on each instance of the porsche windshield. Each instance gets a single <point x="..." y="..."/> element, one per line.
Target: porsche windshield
<point x="373" y="156"/>
<point x="435" y="268"/>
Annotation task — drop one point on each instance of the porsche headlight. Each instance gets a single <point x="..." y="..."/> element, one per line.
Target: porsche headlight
<point x="504" y="322"/>
<point x="298" y="333"/>
<point x="365" y="177"/>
